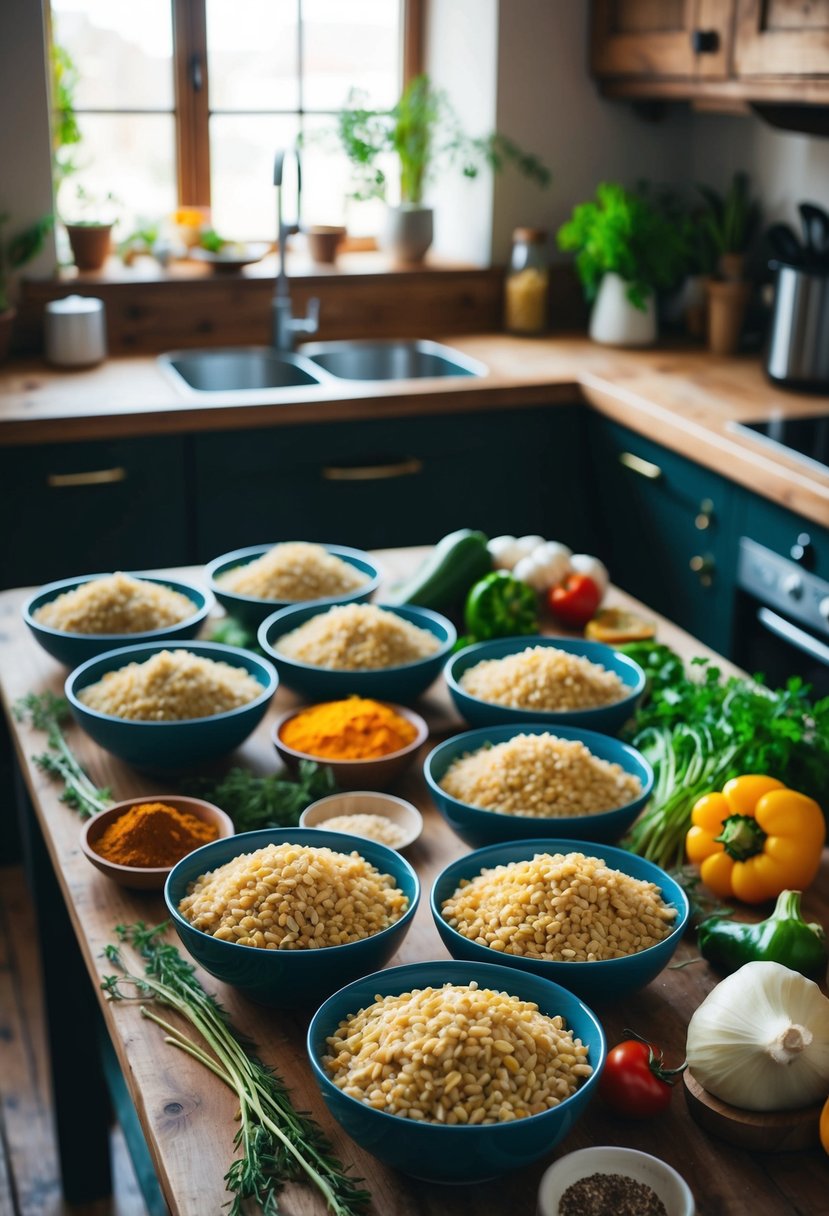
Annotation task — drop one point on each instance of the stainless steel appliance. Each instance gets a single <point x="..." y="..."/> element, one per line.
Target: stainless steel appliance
<point x="798" y="347"/>
<point x="805" y="438"/>
<point x="782" y="624"/>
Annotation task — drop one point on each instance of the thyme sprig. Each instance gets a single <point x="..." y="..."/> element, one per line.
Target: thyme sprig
<point x="48" y="712"/>
<point x="278" y="1143"/>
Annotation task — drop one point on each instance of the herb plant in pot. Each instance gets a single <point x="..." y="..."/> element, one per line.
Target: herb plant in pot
<point x="730" y="222"/>
<point x="626" y="250"/>
<point x="423" y="131"/>
<point x="90" y="229"/>
<point x="15" y="252"/>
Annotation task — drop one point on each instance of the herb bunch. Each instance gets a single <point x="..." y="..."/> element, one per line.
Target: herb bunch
<point x="278" y="1143"/>
<point x="48" y="712"/>
<point x="274" y="801"/>
<point x="699" y="729"/>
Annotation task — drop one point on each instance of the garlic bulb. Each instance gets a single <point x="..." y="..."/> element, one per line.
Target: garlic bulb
<point x="760" y="1040"/>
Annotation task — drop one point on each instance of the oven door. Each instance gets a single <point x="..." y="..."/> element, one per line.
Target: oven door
<point x="782" y="619"/>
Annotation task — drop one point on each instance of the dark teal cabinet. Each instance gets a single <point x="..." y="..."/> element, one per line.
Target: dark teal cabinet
<point x="666" y="529"/>
<point x="76" y="508"/>
<point x="390" y="482"/>
<point x="782" y="531"/>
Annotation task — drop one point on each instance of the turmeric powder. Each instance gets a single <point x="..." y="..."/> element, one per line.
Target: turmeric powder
<point x="354" y="729"/>
<point x="153" y="834"/>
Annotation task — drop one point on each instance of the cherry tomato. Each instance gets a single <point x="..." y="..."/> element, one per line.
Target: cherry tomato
<point x="575" y="600"/>
<point x="634" y="1083"/>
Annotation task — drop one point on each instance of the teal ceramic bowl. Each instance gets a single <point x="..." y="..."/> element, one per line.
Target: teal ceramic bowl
<point x="601" y="982"/>
<point x="171" y="747"/>
<point x="290" y="979"/>
<point x="438" y="1152"/>
<point x="608" y="719"/>
<point x="404" y="683"/>
<point x="477" y="827"/>
<point x="251" y="610"/>
<point x="72" y="649"/>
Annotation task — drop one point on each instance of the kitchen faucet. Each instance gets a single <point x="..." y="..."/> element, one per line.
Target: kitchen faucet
<point x="285" y="326"/>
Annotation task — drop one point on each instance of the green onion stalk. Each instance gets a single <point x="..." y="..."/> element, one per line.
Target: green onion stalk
<point x="278" y="1143"/>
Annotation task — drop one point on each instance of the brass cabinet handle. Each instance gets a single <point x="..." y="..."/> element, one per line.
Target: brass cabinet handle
<point x="703" y="565"/>
<point x="96" y="477"/>
<point x="373" y="472"/>
<point x="645" y="468"/>
<point x="705" y="515"/>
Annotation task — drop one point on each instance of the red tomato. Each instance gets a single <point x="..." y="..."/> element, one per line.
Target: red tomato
<point x="574" y="602"/>
<point x="634" y="1083"/>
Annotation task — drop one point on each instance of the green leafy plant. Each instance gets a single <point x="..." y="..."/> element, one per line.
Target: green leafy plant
<point x="66" y="133"/>
<point x="91" y="210"/>
<point x="625" y="233"/>
<point x="422" y="130"/>
<point x="730" y="220"/>
<point x="19" y="249"/>
<point x="50" y="713"/>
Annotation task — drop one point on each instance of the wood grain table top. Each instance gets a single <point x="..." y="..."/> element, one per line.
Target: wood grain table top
<point x="188" y="1115"/>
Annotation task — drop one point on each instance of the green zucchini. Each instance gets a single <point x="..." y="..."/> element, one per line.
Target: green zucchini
<point x="444" y="578"/>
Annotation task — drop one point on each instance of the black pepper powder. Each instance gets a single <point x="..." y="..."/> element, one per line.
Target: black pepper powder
<point x="610" y="1195"/>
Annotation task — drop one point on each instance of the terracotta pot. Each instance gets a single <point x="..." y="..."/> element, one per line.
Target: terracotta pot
<point x="731" y="267"/>
<point x="726" y="313"/>
<point x="90" y="244"/>
<point x="407" y="233"/>
<point x="6" y="326"/>
<point x="323" y="243"/>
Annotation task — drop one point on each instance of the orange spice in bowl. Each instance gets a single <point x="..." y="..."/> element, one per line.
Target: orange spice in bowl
<point x="356" y="728"/>
<point x="153" y="834"/>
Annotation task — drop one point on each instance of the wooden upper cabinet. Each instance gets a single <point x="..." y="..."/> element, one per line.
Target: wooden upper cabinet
<point x="661" y="39"/>
<point x="782" y="38"/>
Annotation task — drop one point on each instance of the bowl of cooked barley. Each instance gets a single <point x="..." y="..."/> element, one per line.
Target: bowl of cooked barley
<point x="289" y="915"/>
<point x="559" y="681"/>
<point x="503" y="783"/>
<point x="456" y="1072"/>
<point x="76" y="619"/>
<point x="167" y="708"/>
<point x="598" y="920"/>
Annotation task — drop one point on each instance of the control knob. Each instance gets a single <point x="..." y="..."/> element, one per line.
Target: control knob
<point x="792" y="586"/>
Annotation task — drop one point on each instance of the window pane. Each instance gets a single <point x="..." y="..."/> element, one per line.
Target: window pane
<point x="241" y="169"/>
<point x="130" y="155"/>
<point x="357" y="44"/>
<point x="252" y="58"/>
<point x="123" y="52"/>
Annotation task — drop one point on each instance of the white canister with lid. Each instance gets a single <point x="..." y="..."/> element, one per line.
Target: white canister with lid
<point x="76" y="333"/>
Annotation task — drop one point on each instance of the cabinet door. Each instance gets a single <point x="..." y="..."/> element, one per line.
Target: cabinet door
<point x="391" y="482"/>
<point x="665" y="528"/>
<point x="78" y="508"/>
<point x="782" y="38"/>
<point x="660" y="39"/>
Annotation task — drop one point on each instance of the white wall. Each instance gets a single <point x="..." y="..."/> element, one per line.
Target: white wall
<point x="25" y="141"/>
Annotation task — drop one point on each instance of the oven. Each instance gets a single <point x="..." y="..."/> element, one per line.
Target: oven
<point x="782" y="620"/>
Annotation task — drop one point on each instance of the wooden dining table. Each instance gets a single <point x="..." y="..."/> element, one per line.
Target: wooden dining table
<point x="180" y="1119"/>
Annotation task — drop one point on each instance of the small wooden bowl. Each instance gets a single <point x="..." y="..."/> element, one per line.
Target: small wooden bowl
<point x="366" y="802"/>
<point x="780" y="1131"/>
<point x="373" y="774"/>
<point x="146" y="878"/>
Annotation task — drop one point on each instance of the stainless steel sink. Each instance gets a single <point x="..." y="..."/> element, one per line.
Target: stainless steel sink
<point x="238" y="369"/>
<point x="390" y="360"/>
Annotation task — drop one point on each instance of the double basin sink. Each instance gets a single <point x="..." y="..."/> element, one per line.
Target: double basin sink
<point x="266" y="373"/>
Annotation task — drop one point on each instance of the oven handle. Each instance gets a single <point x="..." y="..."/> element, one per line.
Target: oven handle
<point x="790" y="633"/>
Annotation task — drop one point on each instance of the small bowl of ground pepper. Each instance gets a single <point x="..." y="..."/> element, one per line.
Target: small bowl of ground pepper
<point x="365" y="743"/>
<point x="612" y="1180"/>
<point x="137" y="842"/>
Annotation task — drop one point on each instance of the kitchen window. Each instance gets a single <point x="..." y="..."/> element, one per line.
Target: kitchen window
<point x="183" y="102"/>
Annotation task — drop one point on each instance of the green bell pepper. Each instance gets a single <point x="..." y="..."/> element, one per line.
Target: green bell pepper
<point x="784" y="938"/>
<point x="501" y="606"/>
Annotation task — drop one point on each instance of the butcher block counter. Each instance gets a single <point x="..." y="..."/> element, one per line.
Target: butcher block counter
<point x="683" y="399"/>
<point x="187" y="1115"/>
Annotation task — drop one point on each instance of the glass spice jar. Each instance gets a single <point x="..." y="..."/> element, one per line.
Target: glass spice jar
<point x="527" y="284"/>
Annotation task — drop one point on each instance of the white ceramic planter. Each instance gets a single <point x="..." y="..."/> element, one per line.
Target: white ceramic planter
<point x="407" y="232"/>
<point x="614" y="321"/>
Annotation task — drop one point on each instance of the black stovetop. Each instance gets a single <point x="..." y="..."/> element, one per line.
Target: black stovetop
<point x="806" y="438"/>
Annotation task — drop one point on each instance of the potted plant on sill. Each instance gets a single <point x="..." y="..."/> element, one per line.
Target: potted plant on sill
<point x="730" y="222"/>
<point x="14" y="253"/>
<point x="626" y="250"/>
<point x="90" y="229"/>
<point x="422" y="130"/>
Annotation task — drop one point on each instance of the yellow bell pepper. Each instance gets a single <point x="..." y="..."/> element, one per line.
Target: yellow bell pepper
<point x="756" y="839"/>
<point x="824" y="1126"/>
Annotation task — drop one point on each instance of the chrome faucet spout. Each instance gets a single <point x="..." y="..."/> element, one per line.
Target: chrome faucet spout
<point x="285" y="326"/>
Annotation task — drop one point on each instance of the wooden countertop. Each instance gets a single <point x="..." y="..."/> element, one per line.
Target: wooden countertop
<point x="682" y="398"/>
<point x="192" y="1151"/>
